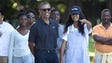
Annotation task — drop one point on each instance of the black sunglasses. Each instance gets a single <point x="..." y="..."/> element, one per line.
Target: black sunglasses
<point x="30" y="16"/>
<point x="47" y="9"/>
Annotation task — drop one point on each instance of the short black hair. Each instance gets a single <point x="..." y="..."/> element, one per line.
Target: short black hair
<point x="43" y="3"/>
<point x="2" y="13"/>
<point x="54" y="10"/>
<point x="105" y="10"/>
<point x="31" y="11"/>
<point x="21" y="13"/>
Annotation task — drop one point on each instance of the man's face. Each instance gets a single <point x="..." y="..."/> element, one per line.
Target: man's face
<point x="55" y="15"/>
<point x="106" y="17"/>
<point x="1" y="17"/>
<point x="45" y="11"/>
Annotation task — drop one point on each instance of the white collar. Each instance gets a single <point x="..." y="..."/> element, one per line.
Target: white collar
<point x="72" y="28"/>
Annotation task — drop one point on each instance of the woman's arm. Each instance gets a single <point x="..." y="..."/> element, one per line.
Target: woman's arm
<point x="11" y="47"/>
<point x="62" y="51"/>
<point x="89" y="24"/>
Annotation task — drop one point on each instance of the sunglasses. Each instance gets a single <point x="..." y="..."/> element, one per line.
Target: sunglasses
<point x="47" y="9"/>
<point x="30" y="16"/>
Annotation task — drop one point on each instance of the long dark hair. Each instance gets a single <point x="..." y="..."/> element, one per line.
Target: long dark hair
<point x="70" y="22"/>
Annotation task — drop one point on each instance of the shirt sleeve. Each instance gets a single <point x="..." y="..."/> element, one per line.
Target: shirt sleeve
<point x="86" y="29"/>
<point x="95" y="31"/>
<point x="11" y="44"/>
<point x="87" y="32"/>
<point x="11" y="27"/>
<point x="65" y="35"/>
<point x="32" y="34"/>
<point x="57" y="30"/>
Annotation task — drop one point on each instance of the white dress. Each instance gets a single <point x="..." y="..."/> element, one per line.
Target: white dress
<point x="77" y="45"/>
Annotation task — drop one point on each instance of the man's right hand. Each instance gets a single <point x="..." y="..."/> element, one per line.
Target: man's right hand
<point x="31" y="46"/>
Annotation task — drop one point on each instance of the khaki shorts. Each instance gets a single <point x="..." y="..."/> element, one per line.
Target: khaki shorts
<point x="3" y="59"/>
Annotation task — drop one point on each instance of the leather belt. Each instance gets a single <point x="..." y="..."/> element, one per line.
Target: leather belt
<point x="46" y="50"/>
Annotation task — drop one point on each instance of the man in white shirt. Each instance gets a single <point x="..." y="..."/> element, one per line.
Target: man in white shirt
<point x="5" y="32"/>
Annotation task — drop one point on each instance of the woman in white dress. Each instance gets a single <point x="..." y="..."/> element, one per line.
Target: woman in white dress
<point x="19" y="51"/>
<point x="75" y="38"/>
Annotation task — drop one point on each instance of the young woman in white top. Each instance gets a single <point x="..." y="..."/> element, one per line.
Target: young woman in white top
<point x="75" y="38"/>
<point x="19" y="51"/>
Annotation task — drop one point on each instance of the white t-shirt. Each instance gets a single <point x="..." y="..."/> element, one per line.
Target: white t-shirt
<point x="5" y="29"/>
<point x="18" y="46"/>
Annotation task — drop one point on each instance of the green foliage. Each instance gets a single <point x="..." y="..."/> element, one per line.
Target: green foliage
<point x="91" y="44"/>
<point x="91" y="8"/>
<point x="14" y="23"/>
<point x="93" y="20"/>
<point x="61" y="7"/>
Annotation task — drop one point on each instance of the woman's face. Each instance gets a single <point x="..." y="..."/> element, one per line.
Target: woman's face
<point x="23" y="20"/>
<point x="31" y="18"/>
<point x="75" y="17"/>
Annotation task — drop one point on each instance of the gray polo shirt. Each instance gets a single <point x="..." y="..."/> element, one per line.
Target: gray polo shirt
<point x="43" y="35"/>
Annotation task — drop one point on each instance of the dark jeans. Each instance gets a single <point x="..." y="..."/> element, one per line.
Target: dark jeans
<point x="44" y="56"/>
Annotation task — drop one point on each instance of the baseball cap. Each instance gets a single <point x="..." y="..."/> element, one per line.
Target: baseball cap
<point x="75" y="10"/>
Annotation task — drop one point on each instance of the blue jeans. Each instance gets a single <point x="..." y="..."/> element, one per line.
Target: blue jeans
<point x="46" y="57"/>
<point x="24" y="59"/>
